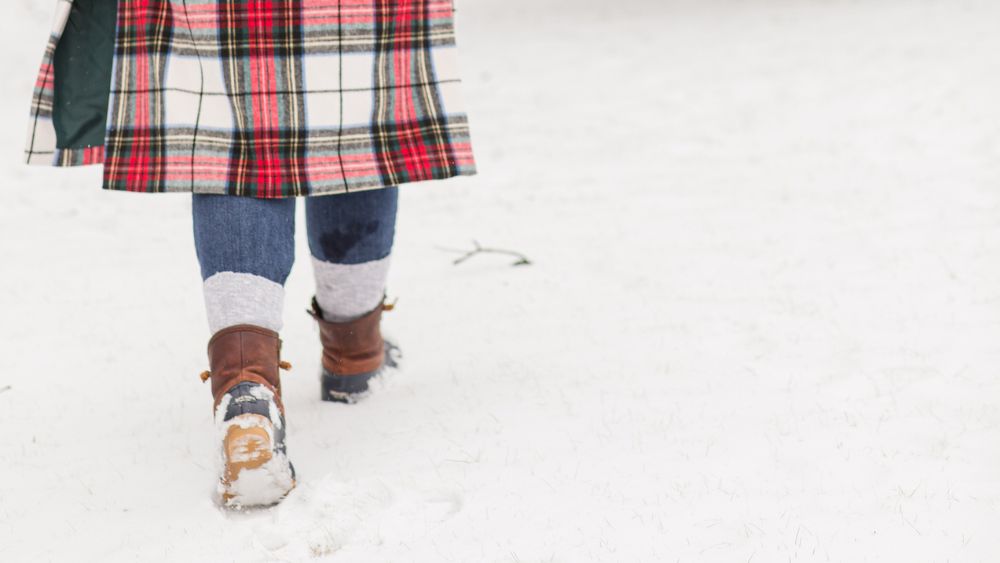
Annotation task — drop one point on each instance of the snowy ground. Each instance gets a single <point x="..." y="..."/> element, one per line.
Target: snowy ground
<point x="763" y="322"/>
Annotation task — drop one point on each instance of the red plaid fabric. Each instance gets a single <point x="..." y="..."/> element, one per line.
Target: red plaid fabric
<point x="271" y="98"/>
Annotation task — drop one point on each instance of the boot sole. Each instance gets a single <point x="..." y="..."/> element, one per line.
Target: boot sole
<point x="345" y="388"/>
<point x="252" y="475"/>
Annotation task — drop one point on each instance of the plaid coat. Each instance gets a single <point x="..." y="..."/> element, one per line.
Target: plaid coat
<point x="262" y="98"/>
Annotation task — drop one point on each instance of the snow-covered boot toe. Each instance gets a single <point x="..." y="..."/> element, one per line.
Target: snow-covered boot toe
<point x="249" y="415"/>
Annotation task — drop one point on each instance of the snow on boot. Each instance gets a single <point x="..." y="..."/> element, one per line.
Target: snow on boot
<point x="250" y="416"/>
<point x="255" y="467"/>
<point x="353" y="353"/>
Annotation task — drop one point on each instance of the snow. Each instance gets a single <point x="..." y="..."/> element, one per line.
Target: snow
<point x="761" y="322"/>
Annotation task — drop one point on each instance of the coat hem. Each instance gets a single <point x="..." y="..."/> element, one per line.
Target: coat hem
<point x="84" y="156"/>
<point x="316" y="190"/>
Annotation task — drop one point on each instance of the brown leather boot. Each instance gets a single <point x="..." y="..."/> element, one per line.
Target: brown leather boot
<point x="244" y="361"/>
<point x="353" y="353"/>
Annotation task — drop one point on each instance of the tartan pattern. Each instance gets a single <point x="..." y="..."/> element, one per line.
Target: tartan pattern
<point x="407" y="124"/>
<point x="273" y="98"/>
<point x="41" y="143"/>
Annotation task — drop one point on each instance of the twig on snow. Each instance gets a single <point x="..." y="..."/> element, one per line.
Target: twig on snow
<point x="522" y="260"/>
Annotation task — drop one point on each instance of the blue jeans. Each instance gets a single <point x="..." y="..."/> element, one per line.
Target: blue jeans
<point x="350" y="239"/>
<point x="257" y="236"/>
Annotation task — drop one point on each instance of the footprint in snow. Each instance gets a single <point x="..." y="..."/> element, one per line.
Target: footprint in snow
<point x="323" y="517"/>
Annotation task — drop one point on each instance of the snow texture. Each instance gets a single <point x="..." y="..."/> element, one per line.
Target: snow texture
<point x="762" y="321"/>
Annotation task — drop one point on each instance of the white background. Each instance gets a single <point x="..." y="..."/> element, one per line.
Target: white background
<point x="763" y="323"/>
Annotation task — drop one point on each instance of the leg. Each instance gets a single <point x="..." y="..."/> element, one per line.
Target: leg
<point x="246" y="248"/>
<point x="350" y="239"/>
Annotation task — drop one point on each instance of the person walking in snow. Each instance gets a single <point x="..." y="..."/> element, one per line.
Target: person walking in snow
<point x="250" y="105"/>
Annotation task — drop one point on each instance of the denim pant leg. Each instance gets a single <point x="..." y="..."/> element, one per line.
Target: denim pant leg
<point x="350" y="239"/>
<point x="246" y="247"/>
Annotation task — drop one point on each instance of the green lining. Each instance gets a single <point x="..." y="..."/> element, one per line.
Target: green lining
<point x="82" y="74"/>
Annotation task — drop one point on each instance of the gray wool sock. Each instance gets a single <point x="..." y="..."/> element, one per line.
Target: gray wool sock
<point x="348" y="291"/>
<point x="233" y="299"/>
